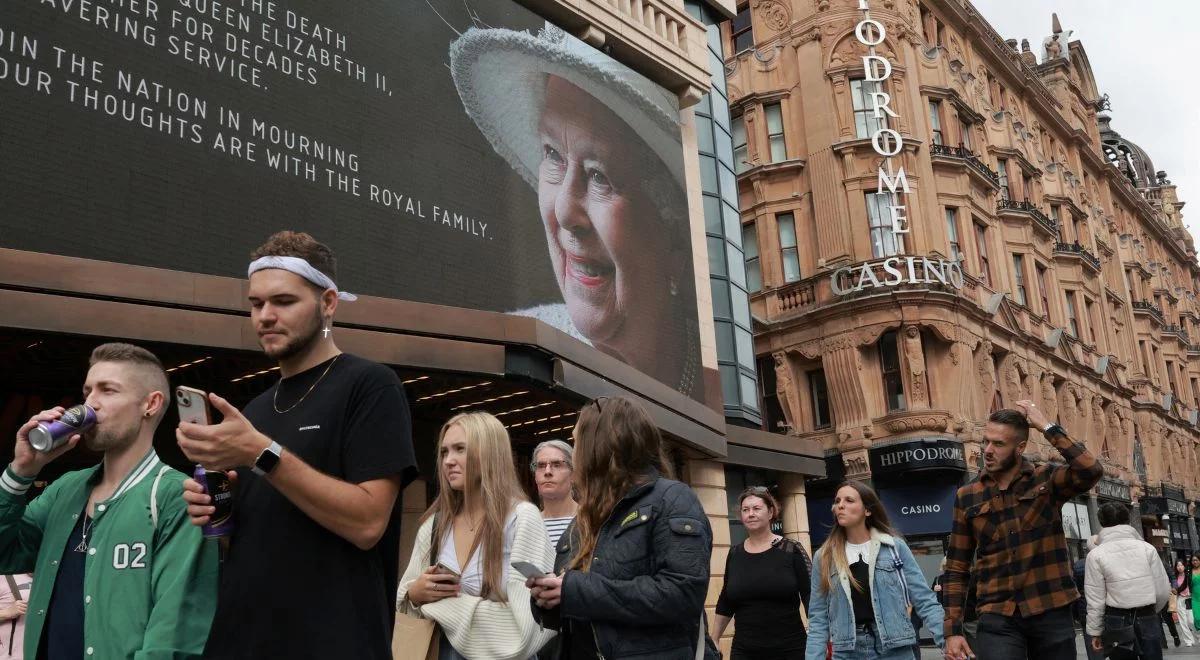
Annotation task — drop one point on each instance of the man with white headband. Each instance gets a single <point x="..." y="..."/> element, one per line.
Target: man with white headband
<point x="320" y="460"/>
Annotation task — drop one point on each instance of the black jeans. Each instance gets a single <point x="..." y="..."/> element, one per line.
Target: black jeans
<point x="1046" y="636"/>
<point x="1148" y="630"/>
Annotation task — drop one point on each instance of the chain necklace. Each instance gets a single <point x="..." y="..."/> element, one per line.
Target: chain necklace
<point x="83" y="544"/>
<point x="275" y="399"/>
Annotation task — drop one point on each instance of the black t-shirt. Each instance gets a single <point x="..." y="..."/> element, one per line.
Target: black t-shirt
<point x="763" y="592"/>
<point x="864" y="611"/>
<point x="289" y="587"/>
<point x="62" y="635"/>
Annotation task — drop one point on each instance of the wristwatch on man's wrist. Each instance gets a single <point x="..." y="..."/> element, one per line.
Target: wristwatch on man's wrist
<point x="1053" y="428"/>
<point x="268" y="460"/>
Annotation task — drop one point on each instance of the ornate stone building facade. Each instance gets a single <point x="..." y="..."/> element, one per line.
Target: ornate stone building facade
<point x="1077" y="282"/>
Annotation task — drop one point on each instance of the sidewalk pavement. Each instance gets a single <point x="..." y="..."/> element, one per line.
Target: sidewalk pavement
<point x="928" y="653"/>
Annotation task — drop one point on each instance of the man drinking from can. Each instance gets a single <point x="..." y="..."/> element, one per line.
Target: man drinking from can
<point x="112" y="541"/>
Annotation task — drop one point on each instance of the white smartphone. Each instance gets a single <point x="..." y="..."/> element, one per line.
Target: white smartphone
<point x="193" y="405"/>
<point x="528" y="570"/>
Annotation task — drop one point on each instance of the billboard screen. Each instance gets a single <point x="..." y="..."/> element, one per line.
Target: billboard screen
<point x="457" y="153"/>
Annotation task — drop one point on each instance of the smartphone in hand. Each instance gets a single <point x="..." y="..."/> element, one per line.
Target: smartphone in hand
<point x="442" y="569"/>
<point x="529" y="570"/>
<point x="193" y="405"/>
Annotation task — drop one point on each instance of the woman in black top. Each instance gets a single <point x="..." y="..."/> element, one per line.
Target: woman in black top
<point x="766" y="578"/>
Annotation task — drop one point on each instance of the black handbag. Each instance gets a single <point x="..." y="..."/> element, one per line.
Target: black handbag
<point x="1120" y="643"/>
<point x="1187" y="603"/>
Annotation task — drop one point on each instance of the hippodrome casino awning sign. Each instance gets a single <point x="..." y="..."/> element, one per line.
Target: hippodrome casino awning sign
<point x="459" y="153"/>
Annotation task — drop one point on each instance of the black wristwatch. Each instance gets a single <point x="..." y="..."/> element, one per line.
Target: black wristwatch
<point x="1052" y="429"/>
<point x="268" y="460"/>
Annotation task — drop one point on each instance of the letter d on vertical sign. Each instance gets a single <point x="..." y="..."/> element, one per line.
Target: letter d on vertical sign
<point x="869" y="66"/>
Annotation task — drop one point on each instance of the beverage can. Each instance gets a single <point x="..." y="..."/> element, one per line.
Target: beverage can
<point x="218" y="486"/>
<point x="48" y="436"/>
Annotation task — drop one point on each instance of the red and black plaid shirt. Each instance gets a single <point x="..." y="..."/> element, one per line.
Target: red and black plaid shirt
<point x="1014" y="538"/>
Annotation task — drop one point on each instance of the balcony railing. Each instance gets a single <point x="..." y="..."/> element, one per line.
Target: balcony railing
<point x="1178" y="331"/>
<point x="1030" y="208"/>
<point x="1149" y="308"/>
<point x="1078" y="250"/>
<point x="966" y="155"/>
<point x="796" y="296"/>
<point x="1194" y="348"/>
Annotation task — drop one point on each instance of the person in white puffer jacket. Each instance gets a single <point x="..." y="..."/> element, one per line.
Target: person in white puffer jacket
<point x="1125" y="583"/>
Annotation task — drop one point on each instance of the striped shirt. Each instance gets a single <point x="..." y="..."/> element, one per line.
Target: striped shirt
<point x="555" y="528"/>
<point x="1016" y="538"/>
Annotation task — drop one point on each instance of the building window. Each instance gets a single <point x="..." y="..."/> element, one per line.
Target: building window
<point x="753" y="268"/>
<point x="964" y="131"/>
<point x="820" y="399"/>
<point x="935" y="121"/>
<point x="889" y="364"/>
<point x="1043" y="290"/>
<point x="790" y="256"/>
<point x="1072" y="316"/>
<point x="1091" y="319"/>
<point x="742" y="32"/>
<point x="952" y="233"/>
<point x="884" y="241"/>
<point x="774" y="116"/>
<point x="1056" y="216"/>
<point x="1002" y="168"/>
<point x="1019" y="275"/>
<point x="985" y="268"/>
<point x="866" y="123"/>
<point x="741" y="152"/>
<point x="1027" y="186"/>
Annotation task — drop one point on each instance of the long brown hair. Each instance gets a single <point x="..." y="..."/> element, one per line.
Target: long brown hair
<point x="835" y="546"/>
<point x="491" y="480"/>
<point x="616" y="446"/>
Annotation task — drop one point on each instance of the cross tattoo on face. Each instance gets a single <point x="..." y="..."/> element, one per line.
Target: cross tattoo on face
<point x="326" y="331"/>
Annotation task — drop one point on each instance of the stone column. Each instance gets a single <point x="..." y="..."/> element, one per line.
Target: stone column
<point x="1093" y="506"/>
<point x="707" y="478"/>
<point x="794" y="507"/>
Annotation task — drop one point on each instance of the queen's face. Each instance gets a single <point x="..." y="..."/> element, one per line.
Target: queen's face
<point x="608" y="248"/>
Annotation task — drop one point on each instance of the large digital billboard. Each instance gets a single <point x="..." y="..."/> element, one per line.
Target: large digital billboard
<point x="463" y="153"/>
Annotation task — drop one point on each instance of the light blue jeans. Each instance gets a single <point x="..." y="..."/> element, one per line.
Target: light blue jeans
<point x="868" y="647"/>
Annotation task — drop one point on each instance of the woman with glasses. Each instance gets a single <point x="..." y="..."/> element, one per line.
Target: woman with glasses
<point x="553" y="471"/>
<point x="460" y="573"/>
<point x="865" y="583"/>
<point x="766" y="578"/>
<point x="631" y="573"/>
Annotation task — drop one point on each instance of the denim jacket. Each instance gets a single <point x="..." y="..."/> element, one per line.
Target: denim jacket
<point x="831" y="615"/>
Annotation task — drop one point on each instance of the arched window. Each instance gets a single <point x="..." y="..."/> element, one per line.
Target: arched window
<point x="889" y="365"/>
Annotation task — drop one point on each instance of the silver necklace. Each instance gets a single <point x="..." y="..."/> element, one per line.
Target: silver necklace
<point x="83" y="544"/>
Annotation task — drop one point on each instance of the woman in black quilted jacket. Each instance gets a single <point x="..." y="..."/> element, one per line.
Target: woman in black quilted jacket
<point x="631" y="573"/>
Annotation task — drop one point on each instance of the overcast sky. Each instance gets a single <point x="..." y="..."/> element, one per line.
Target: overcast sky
<point x="1139" y="51"/>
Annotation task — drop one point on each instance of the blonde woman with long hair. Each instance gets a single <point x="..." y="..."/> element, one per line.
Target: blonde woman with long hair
<point x="631" y="572"/>
<point x="482" y="523"/>
<point x="865" y="582"/>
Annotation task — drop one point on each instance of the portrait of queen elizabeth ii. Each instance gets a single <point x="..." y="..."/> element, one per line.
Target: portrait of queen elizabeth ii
<point x="601" y="147"/>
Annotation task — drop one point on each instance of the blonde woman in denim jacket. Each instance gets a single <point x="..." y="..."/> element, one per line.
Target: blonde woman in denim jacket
<point x="864" y="581"/>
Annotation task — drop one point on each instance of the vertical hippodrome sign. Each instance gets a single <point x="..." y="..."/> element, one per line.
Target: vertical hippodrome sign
<point x="886" y="141"/>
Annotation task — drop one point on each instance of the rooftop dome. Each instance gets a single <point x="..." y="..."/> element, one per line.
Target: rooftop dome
<point x="1130" y="159"/>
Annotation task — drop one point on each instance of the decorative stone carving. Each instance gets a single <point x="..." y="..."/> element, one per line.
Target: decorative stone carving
<point x="774" y="15"/>
<point x="1049" y="396"/>
<point x="914" y="356"/>
<point x="1067" y="408"/>
<point x="985" y="376"/>
<point x="785" y="389"/>
<point x="925" y="420"/>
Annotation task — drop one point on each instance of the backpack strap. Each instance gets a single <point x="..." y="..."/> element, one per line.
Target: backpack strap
<point x="154" y="495"/>
<point x="899" y="564"/>
<point x="435" y="542"/>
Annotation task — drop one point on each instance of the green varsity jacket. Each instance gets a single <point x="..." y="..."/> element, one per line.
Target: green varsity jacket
<point x="150" y="577"/>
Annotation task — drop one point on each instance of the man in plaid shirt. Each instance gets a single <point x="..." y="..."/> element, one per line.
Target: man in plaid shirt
<point x="1010" y="521"/>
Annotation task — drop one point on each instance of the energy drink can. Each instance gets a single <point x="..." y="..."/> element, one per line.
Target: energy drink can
<point x="216" y="484"/>
<point x="48" y="436"/>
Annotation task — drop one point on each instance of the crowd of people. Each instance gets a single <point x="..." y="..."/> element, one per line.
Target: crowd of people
<point x="612" y="561"/>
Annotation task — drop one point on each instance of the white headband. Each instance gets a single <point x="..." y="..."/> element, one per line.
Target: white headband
<point x="303" y="269"/>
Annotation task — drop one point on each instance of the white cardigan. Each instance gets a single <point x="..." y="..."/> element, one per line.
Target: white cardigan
<point x="482" y="628"/>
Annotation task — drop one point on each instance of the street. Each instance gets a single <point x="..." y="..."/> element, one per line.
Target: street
<point x="928" y="653"/>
